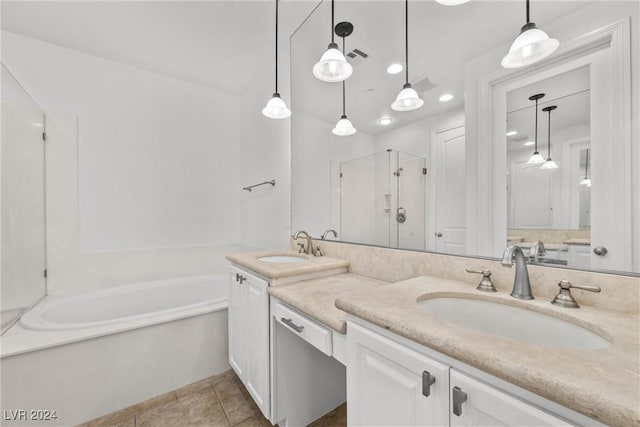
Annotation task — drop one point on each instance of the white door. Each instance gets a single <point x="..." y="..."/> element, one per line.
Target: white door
<point x="237" y="352"/>
<point x="256" y="329"/>
<point x="387" y="383"/>
<point x="474" y="403"/>
<point x="448" y="191"/>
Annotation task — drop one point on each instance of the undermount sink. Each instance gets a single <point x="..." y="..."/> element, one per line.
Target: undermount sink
<point x="282" y="259"/>
<point x="514" y="323"/>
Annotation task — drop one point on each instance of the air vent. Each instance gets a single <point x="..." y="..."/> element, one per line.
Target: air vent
<point x="357" y="56"/>
<point x="425" y="84"/>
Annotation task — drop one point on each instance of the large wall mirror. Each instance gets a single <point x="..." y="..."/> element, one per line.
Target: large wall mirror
<point x="456" y="175"/>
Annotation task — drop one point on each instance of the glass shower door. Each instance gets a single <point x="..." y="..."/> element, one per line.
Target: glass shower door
<point x="22" y="233"/>
<point x="411" y="202"/>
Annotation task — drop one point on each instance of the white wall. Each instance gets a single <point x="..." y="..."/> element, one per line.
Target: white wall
<point x="157" y="166"/>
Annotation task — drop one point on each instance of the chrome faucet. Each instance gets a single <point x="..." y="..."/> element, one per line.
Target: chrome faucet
<point x="537" y="249"/>
<point x="331" y="230"/>
<point x="521" y="284"/>
<point x="310" y="249"/>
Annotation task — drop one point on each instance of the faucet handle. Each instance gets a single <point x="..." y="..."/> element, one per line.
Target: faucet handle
<point x="486" y="285"/>
<point x="301" y="250"/>
<point x="564" y="297"/>
<point x="318" y="251"/>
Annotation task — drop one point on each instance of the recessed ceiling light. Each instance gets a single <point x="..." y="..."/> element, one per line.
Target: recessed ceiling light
<point x="394" y="68"/>
<point x="529" y="143"/>
<point x="512" y="132"/>
<point x="446" y="97"/>
<point x="385" y="121"/>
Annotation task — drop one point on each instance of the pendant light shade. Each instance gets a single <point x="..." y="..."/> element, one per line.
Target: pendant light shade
<point x="586" y="181"/>
<point x="344" y="127"/>
<point x="333" y="66"/>
<point x="408" y="99"/>
<point x="536" y="158"/>
<point x="549" y="164"/>
<point x="532" y="45"/>
<point x="276" y="108"/>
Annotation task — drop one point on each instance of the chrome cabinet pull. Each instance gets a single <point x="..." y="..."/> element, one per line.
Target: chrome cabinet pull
<point x="427" y="381"/>
<point x="237" y="277"/>
<point x="459" y="397"/>
<point x="292" y="325"/>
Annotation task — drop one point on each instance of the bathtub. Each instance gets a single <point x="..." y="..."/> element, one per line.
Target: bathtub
<point x="92" y="354"/>
<point x="129" y="303"/>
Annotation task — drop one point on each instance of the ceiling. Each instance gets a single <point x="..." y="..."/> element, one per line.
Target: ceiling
<point x="218" y="44"/>
<point x="569" y="92"/>
<point x="442" y="40"/>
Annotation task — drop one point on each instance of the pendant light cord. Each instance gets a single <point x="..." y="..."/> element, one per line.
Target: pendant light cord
<point x="586" y="166"/>
<point x="343" y="85"/>
<point x="549" y="137"/>
<point x="277" y="46"/>
<point x="332" y="17"/>
<point x="528" y="19"/>
<point x="406" y="39"/>
<point x="536" y="132"/>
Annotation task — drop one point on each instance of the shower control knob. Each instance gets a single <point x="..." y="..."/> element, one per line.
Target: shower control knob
<point x="438" y="234"/>
<point x="600" y="251"/>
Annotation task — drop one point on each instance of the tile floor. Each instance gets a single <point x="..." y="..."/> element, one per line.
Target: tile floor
<point x="221" y="401"/>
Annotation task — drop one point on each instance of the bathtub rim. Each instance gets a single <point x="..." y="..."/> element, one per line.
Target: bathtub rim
<point x="18" y="340"/>
<point x="32" y="318"/>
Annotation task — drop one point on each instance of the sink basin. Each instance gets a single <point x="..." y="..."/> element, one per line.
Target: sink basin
<point x="514" y="323"/>
<point x="282" y="259"/>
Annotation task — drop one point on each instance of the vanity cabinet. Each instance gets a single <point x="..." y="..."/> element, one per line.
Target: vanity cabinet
<point x="392" y="384"/>
<point x="249" y="334"/>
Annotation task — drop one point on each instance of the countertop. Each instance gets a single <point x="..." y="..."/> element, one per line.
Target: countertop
<point x="603" y="384"/>
<point x="316" y="298"/>
<point x="280" y="270"/>
<point x="582" y="242"/>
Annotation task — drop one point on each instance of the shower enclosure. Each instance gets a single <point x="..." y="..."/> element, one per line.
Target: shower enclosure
<point x="382" y="200"/>
<point x="22" y="232"/>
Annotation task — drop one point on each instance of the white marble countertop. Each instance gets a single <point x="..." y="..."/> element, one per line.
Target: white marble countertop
<point x="316" y="298"/>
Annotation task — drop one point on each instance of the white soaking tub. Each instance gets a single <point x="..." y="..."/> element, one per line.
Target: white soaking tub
<point x="128" y="303"/>
<point x="91" y="354"/>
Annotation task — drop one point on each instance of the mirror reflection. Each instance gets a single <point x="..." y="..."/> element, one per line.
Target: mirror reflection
<point x="455" y="176"/>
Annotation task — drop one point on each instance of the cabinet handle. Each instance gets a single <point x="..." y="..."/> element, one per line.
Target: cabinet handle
<point x="242" y="279"/>
<point x="292" y="325"/>
<point x="237" y="277"/>
<point x="427" y="381"/>
<point x="459" y="397"/>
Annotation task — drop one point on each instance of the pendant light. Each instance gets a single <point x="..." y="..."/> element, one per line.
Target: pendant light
<point x="276" y="108"/>
<point x="532" y="45"/>
<point x="549" y="164"/>
<point x="344" y="126"/>
<point x="586" y="181"/>
<point x="333" y="66"/>
<point x="407" y="99"/>
<point x="536" y="158"/>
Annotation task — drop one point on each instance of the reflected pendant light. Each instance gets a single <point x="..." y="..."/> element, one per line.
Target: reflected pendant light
<point x="333" y="66"/>
<point x="407" y="99"/>
<point x="344" y="126"/>
<point x="276" y="108"/>
<point x="532" y="45"/>
<point x="586" y="181"/>
<point x="536" y="158"/>
<point x="549" y="164"/>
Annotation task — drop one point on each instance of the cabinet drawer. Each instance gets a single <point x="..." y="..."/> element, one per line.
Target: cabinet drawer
<point x="307" y="329"/>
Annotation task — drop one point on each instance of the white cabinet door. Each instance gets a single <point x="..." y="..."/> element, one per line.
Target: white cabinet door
<point x="249" y="334"/>
<point x="256" y="324"/>
<point x="474" y="403"/>
<point x="387" y="383"/>
<point x="237" y="352"/>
